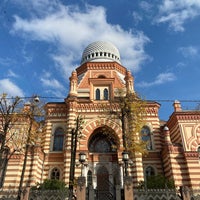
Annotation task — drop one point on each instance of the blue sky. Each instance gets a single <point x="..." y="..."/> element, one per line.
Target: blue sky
<point x="41" y="42"/>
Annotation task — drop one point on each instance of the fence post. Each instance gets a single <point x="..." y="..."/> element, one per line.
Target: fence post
<point x="25" y="194"/>
<point x="81" y="188"/>
<point x="128" y="188"/>
<point x="90" y="192"/>
<point x="118" y="192"/>
<point x="185" y="194"/>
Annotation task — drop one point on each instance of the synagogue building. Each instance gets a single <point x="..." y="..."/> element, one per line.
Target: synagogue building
<point x="172" y="146"/>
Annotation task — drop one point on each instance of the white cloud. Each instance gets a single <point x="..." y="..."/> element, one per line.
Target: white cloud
<point x="71" y="30"/>
<point x="11" y="74"/>
<point x="189" y="51"/>
<point x="137" y="17"/>
<point x="146" y="6"/>
<point x="52" y="83"/>
<point x="8" y="87"/>
<point x="6" y="61"/>
<point x="160" y="79"/>
<point x="177" y="12"/>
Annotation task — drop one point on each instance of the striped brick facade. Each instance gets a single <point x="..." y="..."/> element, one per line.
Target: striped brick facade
<point x="174" y="150"/>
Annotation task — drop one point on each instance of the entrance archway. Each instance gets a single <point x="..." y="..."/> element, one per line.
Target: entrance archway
<point x="103" y="145"/>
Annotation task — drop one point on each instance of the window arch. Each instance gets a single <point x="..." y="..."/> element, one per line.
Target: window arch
<point x="58" y="139"/>
<point x="146" y="137"/>
<point x="198" y="149"/>
<point x="55" y="174"/>
<point x="97" y="94"/>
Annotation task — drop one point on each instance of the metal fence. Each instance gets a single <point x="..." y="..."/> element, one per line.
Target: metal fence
<point x="8" y="194"/>
<point x="139" y="194"/>
<point x="48" y="195"/>
<point x="156" y="194"/>
<point x="166" y="194"/>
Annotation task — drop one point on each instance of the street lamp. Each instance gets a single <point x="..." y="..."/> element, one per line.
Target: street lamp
<point x="125" y="158"/>
<point x="82" y="159"/>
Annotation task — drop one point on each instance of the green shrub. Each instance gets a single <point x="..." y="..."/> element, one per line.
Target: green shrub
<point x="51" y="184"/>
<point x="157" y="182"/>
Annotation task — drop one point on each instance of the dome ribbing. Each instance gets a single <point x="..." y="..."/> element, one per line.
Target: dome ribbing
<point x="100" y="51"/>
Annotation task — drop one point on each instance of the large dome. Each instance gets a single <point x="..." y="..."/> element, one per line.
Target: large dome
<point x="100" y="52"/>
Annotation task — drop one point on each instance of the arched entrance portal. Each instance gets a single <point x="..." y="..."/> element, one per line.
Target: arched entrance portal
<point x="103" y="145"/>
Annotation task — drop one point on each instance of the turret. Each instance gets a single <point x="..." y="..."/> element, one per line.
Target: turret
<point x="73" y="84"/>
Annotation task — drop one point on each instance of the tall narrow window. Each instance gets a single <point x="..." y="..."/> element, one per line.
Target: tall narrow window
<point x="105" y="94"/>
<point x="55" y="173"/>
<point x="146" y="137"/>
<point x="97" y="94"/>
<point x="58" y="139"/>
<point x="89" y="178"/>
<point x="149" y="171"/>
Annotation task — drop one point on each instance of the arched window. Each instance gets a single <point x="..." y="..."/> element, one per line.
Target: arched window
<point x="105" y="94"/>
<point x="55" y="173"/>
<point x="149" y="171"/>
<point x="198" y="149"/>
<point x="89" y="178"/>
<point x="146" y="137"/>
<point x="97" y="94"/>
<point x="58" y="139"/>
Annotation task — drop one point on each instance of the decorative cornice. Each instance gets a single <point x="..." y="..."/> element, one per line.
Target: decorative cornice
<point x="56" y="110"/>
<point x="190" y="155"/>
<point x="101" y="66"/>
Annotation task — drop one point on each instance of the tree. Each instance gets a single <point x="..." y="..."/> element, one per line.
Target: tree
<point x="33" y="114"/>
<point x="9" y="107"/>
<point x="131" y="114"/>
<point x="75" y="135"/>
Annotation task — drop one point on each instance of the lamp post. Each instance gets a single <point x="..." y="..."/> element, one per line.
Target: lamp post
<point x="82" y="158"/>
<point x="31" y="115"/>
<point x="125" y="158"/>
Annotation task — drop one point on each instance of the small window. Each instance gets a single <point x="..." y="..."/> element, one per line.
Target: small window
<point x="146" y="137"/>
<point x="58" y="139"/>
<point x="97" y="94"/>
<point x="89" y="178"/>
<point x="149" y="171"/>
<point x="105" y="94"/>
<point x="198" y="149"/>
<point x="55" y="174"/>
<point x="101" y="76"/>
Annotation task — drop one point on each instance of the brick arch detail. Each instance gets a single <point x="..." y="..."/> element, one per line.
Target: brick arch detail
<point x="92" y="125"/>
<point x="196" y="140"/>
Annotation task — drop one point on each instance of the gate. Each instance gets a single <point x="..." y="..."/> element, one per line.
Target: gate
<point x="105" y="189"/>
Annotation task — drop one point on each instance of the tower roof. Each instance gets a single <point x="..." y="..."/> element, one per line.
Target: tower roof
<point x="100" y="51"/>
